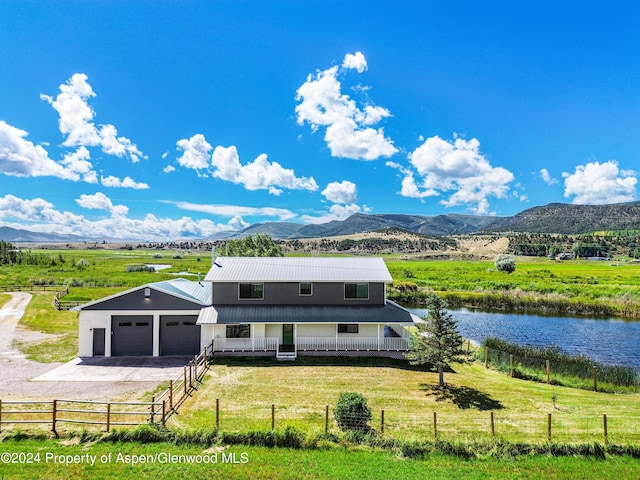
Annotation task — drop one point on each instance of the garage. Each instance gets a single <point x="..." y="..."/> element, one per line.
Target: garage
<point x="179" y="335"/>
<point x="131" y="335"/>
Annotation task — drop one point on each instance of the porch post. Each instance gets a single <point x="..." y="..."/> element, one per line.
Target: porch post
<point x="336" y="337"/>
<point x="378" y="337"/>
<point x="253" y="337"/>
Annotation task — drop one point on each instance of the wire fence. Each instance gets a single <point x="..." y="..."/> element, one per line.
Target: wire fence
<point x="556" y="426"/>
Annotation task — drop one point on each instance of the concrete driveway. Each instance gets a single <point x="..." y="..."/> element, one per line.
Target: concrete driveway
<point x="117" y="369"/>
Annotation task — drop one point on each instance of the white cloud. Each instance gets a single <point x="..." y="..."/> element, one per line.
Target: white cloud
<point x="126" y="182"/>
<point x="409" y="188"/>
<point x="344" y="192"/>
<point x="597" y="184"/>
<point x="348" y="128"/>
<point x="355" y="61"/>
<point x="76" y="121"/>
<point x="235" y="210"/>
<point x="456" y="167"/>
<point x="46" y="219"/>
<point x="257" y="175"/>
<point x="546" y="177"/>
<point x="224" y="163"/>
<point x="169" y="169"/>
<point x="196" y="152"/>
<point x="100" y="201"/>
<point x="21" y="158"/>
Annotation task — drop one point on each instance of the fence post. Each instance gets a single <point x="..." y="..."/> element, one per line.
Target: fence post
<point x="382" y="423"/>
<point x="0" y="416"/>
<point x="108" y="417"/>
<point x="170" y="394"/>
<point x="493" y="426"/>
<point x="164" y="413"/>
<point x="595" y="378"/>
<point x="273" y="416"/>
<point x="435" y="424"/>
<point x="185" y="380"/>
<point x="468" y="346"/>
<point x="326" y="418"/>
<point x="511" y="365"/>
<point x="195" y="367"/>
<point x="486" y="356"/>
<point x="549" y="426"/>
<point x="190" y="375"/>
<point x="606" y="429"/>
<point x="217" y="412"/>
<point x="53" y="419"/>
<point x="548" y="372"/>
<point x="153" y="409"/>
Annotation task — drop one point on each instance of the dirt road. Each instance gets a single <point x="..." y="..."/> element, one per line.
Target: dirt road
<point x="17" y="372"/>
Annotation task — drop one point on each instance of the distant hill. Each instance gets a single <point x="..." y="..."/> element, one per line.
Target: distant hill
<point x="450" y="224"/>
<point x="571" y="219"/>
<point x="561" y="218"/>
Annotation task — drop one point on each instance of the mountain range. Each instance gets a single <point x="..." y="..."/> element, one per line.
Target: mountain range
<point x="559" y="218"/>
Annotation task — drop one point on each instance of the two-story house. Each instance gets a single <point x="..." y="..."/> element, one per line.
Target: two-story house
<point x="281" y="306"/>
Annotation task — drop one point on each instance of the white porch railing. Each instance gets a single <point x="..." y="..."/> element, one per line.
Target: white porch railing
<point x="352" y="343"/>
<point x="246" y="344"/>
<point x="319" y="344"/>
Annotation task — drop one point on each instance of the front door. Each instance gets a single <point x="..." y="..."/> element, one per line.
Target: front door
<point x="287" y="334"/>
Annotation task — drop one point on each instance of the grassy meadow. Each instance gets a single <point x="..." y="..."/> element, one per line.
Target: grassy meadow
<point x="246" y="389"/>
<point x="116" y="461"/>
<point x="538" y="284"/>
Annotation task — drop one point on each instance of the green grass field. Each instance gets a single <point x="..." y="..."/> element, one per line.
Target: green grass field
<point x="116" y="461"/>
<point x="574" y="286"/>
<point x="301" y="391"/>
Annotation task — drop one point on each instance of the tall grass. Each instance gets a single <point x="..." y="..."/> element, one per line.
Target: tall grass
<point x="567" y="370"/>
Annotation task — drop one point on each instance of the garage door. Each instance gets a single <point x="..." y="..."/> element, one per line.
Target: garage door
<point x="179" y="335"/>
<point x="131" y="335"/>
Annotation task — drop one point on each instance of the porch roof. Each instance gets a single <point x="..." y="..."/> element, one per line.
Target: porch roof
<point x="236" y="314"/>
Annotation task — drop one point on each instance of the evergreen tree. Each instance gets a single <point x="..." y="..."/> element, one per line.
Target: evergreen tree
<point x="437" y="340"/>
<point x="259" y="245"/>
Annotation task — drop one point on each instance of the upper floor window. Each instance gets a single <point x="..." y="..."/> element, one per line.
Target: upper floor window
<point x="251" y="291"/>
<point x="305" y="289"/>
<point x="356" y="291"/>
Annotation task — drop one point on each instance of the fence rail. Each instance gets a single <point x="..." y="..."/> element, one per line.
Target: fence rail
<point x="109" y="414"/>
<point x="33" y="288"/>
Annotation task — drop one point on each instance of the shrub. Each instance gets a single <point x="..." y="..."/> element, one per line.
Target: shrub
<point x="505" y="263"/>
<point x="352" y="412"/>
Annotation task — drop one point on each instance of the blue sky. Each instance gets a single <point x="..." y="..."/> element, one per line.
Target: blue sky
<point x="167" y="120"/>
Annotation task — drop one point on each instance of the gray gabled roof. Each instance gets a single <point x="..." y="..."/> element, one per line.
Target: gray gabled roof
<point x="299" y="269"/>
<point x="234" y="314"/>
<point x="195" y="292"/>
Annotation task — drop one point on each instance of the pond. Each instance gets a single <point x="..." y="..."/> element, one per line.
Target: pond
<point x="608" y="341"/>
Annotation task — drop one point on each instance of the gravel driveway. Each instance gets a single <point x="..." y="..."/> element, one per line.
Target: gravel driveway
<point x="17" y="373"/>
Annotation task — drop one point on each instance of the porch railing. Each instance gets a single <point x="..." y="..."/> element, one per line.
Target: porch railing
<point x="352" y="343"/>
<point x="314" y="344"/>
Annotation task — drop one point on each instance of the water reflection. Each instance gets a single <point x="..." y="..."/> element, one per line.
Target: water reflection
<point x="609" y="341"/>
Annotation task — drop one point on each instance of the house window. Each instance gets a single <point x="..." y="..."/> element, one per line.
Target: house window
<point x="239" y="331"/>
<point x="250" y="291"/>
<point x="356" y="291"/>
<point x="305" y="289"/>
<point x="348" y="328"/>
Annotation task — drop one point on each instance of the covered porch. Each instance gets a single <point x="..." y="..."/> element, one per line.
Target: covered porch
<point x="288" y="331"/>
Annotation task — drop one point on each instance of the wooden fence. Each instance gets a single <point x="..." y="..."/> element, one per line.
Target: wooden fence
<point x="109" y="414"/>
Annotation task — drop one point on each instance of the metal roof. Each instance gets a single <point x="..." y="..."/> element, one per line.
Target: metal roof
<point x="234" y="314"/>
<point x="296" y="269"/>
<point x="196" y="292"/>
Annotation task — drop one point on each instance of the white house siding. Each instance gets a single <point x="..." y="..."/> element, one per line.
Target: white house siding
<point x="90" y="319"/>
<point x="316" y="330"/>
